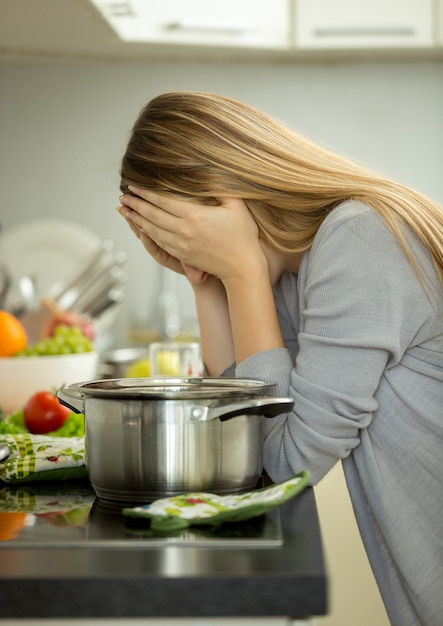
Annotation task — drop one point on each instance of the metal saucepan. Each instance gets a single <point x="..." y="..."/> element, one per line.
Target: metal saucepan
<point x="115" y="363"/>
<point x="152" y="437"/>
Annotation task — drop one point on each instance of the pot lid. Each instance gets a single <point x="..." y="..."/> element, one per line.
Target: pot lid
<point x="172" y="388"/>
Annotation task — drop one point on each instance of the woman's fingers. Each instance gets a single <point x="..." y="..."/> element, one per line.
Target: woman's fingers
<point x="219" y="239"/>
<point x="132" y="225"/>
<point x="153" y="206"/>
<point x="169" y="205"/>
<point x="159" y="255"/>
<point x="176" y="228"/>
<point x="155" y="221"/>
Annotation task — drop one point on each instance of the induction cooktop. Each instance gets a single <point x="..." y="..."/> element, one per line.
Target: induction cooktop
<point x="69" y="515"/>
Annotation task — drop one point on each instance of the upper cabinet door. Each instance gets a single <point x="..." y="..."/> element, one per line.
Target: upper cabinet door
<point x="231" y="23"/>
<point x="363" y="24"/>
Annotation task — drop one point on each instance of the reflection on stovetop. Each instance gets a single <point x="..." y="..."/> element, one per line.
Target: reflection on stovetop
<point x="45" y="515"/>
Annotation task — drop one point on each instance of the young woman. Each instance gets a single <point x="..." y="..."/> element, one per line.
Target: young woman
<point x="318" y="275"/>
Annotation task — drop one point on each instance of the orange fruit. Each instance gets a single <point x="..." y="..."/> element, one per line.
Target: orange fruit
<point x="10" y="524"/>
<point x="13" y="336"/>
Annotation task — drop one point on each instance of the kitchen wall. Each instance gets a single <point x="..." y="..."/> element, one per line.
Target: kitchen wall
<point x="64" y="125"/>
<point x="63" y="129"/>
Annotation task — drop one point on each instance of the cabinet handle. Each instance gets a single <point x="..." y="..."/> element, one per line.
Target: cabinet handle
<point x="208" y="25"/>
<point x="365" y="31"/>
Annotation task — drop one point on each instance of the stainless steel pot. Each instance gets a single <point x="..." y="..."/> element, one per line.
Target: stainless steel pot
<point x="153" y="437"/>
<point x="115" y="363"/>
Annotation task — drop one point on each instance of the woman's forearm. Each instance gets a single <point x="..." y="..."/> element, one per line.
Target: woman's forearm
<point x="215" y="326"/>
<point x="253" y="315"/>
<point x="236" y="322"/>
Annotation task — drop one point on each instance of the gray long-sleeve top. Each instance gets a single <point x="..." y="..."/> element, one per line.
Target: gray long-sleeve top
<point x="364" y="363"/>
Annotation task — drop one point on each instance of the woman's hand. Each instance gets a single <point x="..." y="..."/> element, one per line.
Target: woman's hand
<point x="194" y="275"/>
<point x="221" y="240"/>
<point x="157" y="253"/>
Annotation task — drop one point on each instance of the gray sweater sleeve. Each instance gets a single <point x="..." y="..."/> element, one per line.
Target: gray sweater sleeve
<point x="350" y="316"/>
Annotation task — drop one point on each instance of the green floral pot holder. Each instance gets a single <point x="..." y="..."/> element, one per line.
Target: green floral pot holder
<point x="41" y="457"/>
<point x="197" y="508"/>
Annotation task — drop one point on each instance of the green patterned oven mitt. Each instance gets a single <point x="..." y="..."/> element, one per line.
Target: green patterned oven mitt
<point x="42" y="457"/>
<point x="197" y="508"/>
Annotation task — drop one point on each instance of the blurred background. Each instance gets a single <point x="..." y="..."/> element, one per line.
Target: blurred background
<point x="362" y="78"/>
<point x="70" y="92"/>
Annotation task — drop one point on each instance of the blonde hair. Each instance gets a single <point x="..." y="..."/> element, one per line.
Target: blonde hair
<point x="203" y="146"/>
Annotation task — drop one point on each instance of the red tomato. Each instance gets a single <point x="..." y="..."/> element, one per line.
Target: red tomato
<point x="44" y="413"/>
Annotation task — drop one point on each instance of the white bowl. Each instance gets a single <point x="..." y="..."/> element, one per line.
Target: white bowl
<point x="21" y="377"/>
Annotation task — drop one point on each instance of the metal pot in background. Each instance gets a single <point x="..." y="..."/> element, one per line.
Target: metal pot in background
<point x="115" y="363"/>
<point x="155" y="437"/>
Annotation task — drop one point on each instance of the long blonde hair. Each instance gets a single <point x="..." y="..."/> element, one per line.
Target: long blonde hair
<point x="201" y="146"/>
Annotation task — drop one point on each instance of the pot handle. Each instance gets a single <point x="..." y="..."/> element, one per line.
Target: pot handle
<point x="267" y="406"/>
<point x="72" y="398"/>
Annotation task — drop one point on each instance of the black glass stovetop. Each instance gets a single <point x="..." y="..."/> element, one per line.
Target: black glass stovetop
<point x="54" y="515"/>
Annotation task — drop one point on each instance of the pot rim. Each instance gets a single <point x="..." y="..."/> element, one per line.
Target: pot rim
<point x="164" y="387"/>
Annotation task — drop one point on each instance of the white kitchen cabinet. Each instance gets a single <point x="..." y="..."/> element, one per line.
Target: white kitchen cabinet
<point x="227" y="23"/>
<point x="360" y="24"/>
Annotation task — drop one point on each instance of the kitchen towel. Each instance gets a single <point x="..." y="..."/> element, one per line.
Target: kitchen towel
<point x="181" y="511"/>
<point x="42" y="457"/>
